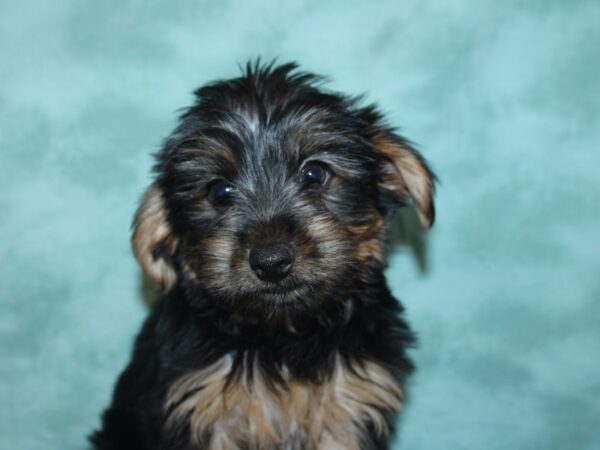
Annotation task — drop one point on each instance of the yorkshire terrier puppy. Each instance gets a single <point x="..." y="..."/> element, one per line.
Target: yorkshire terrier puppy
<point x="266" y="230"/>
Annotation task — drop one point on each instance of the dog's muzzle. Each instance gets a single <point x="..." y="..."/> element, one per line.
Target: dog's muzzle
<point x="272" y="262"/>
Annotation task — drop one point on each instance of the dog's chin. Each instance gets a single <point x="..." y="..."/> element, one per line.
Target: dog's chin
<point x="280" y="296"/>
<point x="272" y="303"/>
<point x="283" y="307"/>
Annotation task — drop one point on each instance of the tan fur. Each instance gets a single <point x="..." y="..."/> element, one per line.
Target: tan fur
<point x="150" y="229"/>
<point x="407" y="176"/>
<point x="370" y="240"/>
<point x="331" y="415"/>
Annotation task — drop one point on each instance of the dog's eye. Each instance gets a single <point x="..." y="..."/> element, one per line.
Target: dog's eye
<point x="221" y="191"/>
<point x="315" y="174"/>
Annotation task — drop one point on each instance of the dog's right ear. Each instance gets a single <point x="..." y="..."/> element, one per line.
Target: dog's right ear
<point x="152" y="240"/>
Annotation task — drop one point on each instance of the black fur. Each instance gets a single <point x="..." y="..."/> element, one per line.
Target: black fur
<point x="256" y="132"/>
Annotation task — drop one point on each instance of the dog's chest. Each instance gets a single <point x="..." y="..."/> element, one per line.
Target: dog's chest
<point x="251" y="412"/>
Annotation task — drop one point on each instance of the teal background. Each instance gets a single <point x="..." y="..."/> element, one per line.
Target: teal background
<point x="501" y="96"/>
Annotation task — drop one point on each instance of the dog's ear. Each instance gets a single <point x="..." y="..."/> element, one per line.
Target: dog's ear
<point x="152" y="240"/>
<point x="405" y="173"/>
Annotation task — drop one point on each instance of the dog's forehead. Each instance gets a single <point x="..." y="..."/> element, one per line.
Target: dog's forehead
<point x="245" y="129"/>
<point x="287" y="137"/>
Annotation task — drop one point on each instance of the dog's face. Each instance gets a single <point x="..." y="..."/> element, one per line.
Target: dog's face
<point x="274" y="195"/>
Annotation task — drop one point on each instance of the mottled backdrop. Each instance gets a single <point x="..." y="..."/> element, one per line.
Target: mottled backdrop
<point x="501" y="96"/>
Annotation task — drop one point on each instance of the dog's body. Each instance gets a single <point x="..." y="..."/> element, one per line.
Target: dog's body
<point x="266" y="229"/>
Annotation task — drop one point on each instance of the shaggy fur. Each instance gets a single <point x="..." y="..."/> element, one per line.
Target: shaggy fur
<point x="265" y="228"/>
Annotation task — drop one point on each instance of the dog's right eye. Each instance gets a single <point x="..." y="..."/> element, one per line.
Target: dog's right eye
<point x="221" y="191"/>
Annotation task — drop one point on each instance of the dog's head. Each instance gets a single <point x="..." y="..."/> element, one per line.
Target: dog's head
<point x="273" y="194"/>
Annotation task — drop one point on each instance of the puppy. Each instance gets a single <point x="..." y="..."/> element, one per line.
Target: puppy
<point x="265" y="228"/>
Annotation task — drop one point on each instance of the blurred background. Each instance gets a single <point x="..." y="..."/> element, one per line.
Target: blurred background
<point x="501" y="97"/>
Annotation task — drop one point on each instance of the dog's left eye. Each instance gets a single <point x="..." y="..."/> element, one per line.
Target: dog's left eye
<point x="315" y="174"/>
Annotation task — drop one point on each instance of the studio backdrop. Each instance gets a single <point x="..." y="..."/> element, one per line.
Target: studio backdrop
<point x="502" y="98"/>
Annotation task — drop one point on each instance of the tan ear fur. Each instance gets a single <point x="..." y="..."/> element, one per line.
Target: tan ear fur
<point x="152" y="240"/>
<point x="407" y="175"/>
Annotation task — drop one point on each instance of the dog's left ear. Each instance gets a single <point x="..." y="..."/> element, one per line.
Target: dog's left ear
<point x="405" y="173"/>
<point x="153" y="241"/>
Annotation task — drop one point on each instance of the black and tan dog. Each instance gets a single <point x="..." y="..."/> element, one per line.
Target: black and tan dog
<point x="266" y="230"/>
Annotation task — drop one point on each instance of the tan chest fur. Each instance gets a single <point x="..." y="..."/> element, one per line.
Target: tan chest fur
<point x="331" y="415"/>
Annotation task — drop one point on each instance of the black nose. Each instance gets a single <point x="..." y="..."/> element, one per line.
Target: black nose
<point x="272" y="262"/>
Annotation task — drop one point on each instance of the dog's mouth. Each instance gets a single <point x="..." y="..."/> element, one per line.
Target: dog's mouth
<point x="283" y="291"/>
